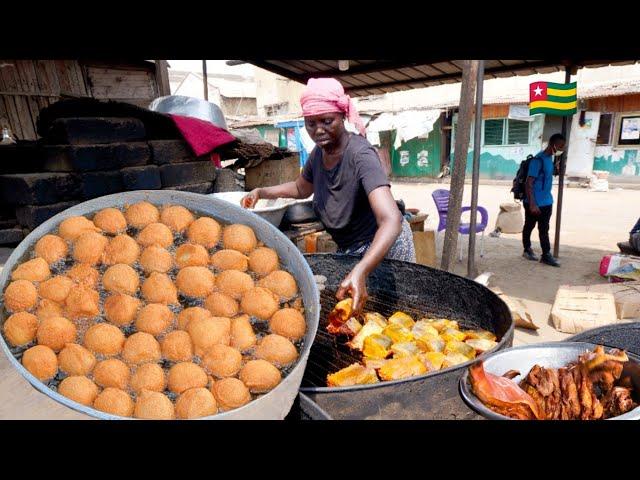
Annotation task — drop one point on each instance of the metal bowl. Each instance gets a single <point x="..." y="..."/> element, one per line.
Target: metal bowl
<point x="272" y="210"/>
<point x="190" y="107"/>
<point x="273" y="405"/>
<point x="301" y="212"/>
<point x="523" y="358"/>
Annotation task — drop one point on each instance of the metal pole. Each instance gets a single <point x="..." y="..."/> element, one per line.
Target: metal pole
<point x="472" y="271"/>
<point x="563" y="166"/>
<point x="205" y="82"/>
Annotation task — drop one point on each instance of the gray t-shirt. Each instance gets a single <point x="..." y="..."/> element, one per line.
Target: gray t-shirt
<point x="341" y="194"/>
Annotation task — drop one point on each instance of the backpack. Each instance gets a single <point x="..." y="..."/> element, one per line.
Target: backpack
<point x="519" y="182"/>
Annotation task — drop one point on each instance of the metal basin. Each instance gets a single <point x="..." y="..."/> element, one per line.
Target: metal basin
<point x="190" y="107"/>
<point x="271" y="210"/>
<point x="301" y="212"/>
<point x="273" y="405"/>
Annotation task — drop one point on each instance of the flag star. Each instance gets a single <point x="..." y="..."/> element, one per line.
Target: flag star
<point x="538" y="90"/>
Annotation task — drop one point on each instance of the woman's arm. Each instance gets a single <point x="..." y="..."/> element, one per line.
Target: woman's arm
<point x="301" y="188"/>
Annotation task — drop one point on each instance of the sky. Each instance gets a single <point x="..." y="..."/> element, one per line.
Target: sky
<point x="213" y="66"/>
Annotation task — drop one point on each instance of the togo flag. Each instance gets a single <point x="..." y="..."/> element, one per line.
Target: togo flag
<point x="553" y="98"/>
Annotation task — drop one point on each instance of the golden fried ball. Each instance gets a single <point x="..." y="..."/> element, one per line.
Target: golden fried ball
<point x="148" y="376"/>
<point x="72" y="227"/>
<point x="48" y="308"/>
<point x="188" y="314"/>
<point x="84" y="274"/>
<point x="114" y="401"/>
<point x="121" y="249"/>
<point x="186" y="375"/>
<point x="89" y="248"/>
<point x="79" y="389"/>
<point x="259" y="302"/>
<point x="41" y="362"/>
<point x="20" y="295"/>
<point x="234" y="283"/>
<point x="204" y="231"/>
<point x="154" y="318"/>
<point x="239" y="237"/>
<point x="105" y="339"/>
<point x="141" y="348"/>
<point x="20" y="328"/>
<point x="56" y="288"/>
<point x="177" y="218"/>
<point x="110" y="220"/>
<point x="155" y="234"/>
<point x="277" y="350"/>
<point x="191" y="255"/>
<point x="159" y="288"/>
<point x="195" y="281"/>
<point x="263" y="261"/>
<point x="82" y="302"/>
<point x="221" y="305"/>
<point x="121" y="278"/>
<point x="281" y="283"/>
<point x="229" y="260"/>
<point x="156" y="259"/>
<point x="207" y="332"/>
<point x="74" y="359"/>
<point x="230" y="393"/>
<point x="121" y="309"/>
<point x="154" y="406"/>
<point x="260" y="376"/>
<point x="112" y="373"/>
<point x="289" y="323"/>
<point x="177" y="346"/>
<point x="36" y="270"/>
<point x="141" y="214"/>
<point x="55" y="332"/>
<point x="222" y="361"/>
<point x="51" y="248"/>
<point x="242" y="335"/>
<point x="196" y="403"/>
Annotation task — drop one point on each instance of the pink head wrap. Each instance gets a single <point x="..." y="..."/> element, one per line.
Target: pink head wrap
<point x="326" y="95"/>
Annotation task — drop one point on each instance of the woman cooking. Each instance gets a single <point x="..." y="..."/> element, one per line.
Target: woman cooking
<point x="352" y="195"/>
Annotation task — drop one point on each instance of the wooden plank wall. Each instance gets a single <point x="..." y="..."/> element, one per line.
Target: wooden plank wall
<point x="620" y="103"/>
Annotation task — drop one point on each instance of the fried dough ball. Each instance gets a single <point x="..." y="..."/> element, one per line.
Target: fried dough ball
<point x="121" y="278"/>
<point x="84" y="274"/>
<point x="159" y="288"/>
<point x="156" y="234"/>
<point x="221" y="305"/>
<point x="51" y="248"/>
<point x="74" y="359"/>
<point x="114" y="401"/>
<point x="121" y="309"/>
<point x="196" y="403"/>
<point x="154" y="318"/>
<point x="105" y="339"/>
<point x="195" y="281"/>
<point x="204" y="231"/>
<point x="222" y="361"/>
<point x="121" y="249"/>
<point x="36" y="270"/>
<point x="239" y="237"/>
<point x="112" y="373"/>
<point x="242" y="335"/>
<point x="89" y="248"/>
<point x="141" y="214"/>
<point x="56" y="288"/>
<point x="110" y="220"/>
<point x="277" y="350"/>
<point x="229" y="260"/>
<point x="289" y="323"/>
<point x="207" y="332"/>
<point x="20" y="328"/>
<point x="259" y="302"/>
<point x="79" y="389"/>
<point x="41" y="362"/>
<point x="82" y="302"/>
<point x="186" y="375"/>
<point x="148" y="376"/>
<point x="281" y="283"/>
<point x="55" y="332"/>
<point x="20" y="295"/>
<point x="230" y="393"/>
<point x="156" y="259"/>
<point x="234" y="283"/>
<point x="177" y="218"/>
<point x="141" y="348"/>
<point x="188" y="314"/>
<point x="263" y="261"/>
<point x="72" y="227"/>
<point x="260" y="376"/>
<point x="154" y="406"/>
<point x="48" y="308"/>
<point x="190" y="255"/>
<point x="177" y="346"/>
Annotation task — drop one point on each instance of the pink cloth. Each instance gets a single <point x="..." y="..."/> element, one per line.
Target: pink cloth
<point x="202" y="136"/>
<point x="326" y="95"/>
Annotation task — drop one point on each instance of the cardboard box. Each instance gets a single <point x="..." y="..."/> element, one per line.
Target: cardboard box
<point x="579" y="308"/>
<point x="425" y="247"/>
<point x="626" y="296"/>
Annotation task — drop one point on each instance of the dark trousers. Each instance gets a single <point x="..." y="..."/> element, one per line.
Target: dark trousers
<point x="542" y="220"/>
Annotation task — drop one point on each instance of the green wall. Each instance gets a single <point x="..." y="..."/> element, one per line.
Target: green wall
<point x="405" y="160"/>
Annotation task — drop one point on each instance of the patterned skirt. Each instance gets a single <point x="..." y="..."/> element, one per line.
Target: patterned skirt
<point x="402" y="249"/>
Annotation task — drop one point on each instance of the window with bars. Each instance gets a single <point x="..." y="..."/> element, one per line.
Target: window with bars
<point x="506" y="131"/>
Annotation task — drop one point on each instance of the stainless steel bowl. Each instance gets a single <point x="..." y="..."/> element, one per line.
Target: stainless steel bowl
<point x="190" y="107"/>
<point x="301" y="212"/>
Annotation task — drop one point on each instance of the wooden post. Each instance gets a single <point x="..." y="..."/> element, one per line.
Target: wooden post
<point x="456" y="189"/>
<point x="162" y="78"/>
<point x="205" y="82"/>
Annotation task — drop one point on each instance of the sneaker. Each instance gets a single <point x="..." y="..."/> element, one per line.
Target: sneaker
<point x="529" y="255"/>
<point x="548" y="259"/>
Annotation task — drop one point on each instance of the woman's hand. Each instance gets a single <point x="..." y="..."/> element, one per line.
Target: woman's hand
<point x="356" y="284"/>
<point x="250" y="200"/>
